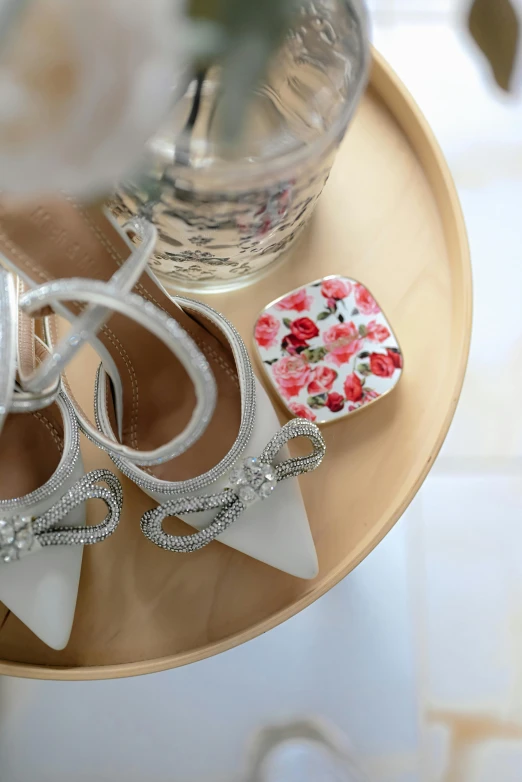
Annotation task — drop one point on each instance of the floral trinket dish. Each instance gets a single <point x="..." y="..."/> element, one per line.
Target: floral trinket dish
<point x="328" y="349"/>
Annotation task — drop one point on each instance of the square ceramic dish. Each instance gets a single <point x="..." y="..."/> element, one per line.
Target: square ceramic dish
<point x="328" y="349"/>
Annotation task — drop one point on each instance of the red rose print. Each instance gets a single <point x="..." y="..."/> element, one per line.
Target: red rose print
<point x="304" y="328"/>
<point x="395" y="357"/>
<point x="376" y="331"/>
<point x="266" y="330"/>
<point x="336" y="289"/>
<point x="322" y="380"/>
<point x="365" y="300"/>
<point x="323" y="358"/>
<point x="314" y="388"/>
<point x="353" y="388"/>
<point x="298" y="301"/>
<point x="302" y="411"/>
<point x="335" y="402"/>
<point x="342" y="342"/>
<point x="291" y="374"/>
<point x="290" y="344"/>
<point x="369" y="395"/>
<point x="382" y="365"/>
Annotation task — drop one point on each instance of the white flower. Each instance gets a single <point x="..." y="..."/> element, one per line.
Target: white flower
<point x="83" y="85"/>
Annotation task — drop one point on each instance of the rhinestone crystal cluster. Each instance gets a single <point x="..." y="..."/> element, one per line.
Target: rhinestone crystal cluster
<point x="16" y="537"/>
<point x="21" y="535"/>
<point x="253" y="480"/>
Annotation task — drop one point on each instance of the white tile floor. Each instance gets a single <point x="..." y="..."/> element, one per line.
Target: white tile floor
<point x="417" y="656"/>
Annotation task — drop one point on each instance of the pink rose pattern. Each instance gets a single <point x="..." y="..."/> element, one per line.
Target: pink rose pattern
<point x="342" y="341"/>
<point x="300" y="301"/>
<point x="291" y="374"/>
<point x="322" y="380"/>
<point x="302" y="411"/>
<point x="266" y="330"/>
<point x="334" y="359"/>
<point x="365" y="301"/>
<point x="336" y="288"/>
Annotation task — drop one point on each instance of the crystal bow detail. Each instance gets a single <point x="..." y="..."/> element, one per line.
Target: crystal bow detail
<point x="23" y="534"/>
<point x="252" y="480"/>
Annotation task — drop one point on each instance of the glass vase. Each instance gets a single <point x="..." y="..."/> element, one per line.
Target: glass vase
<point x="224" y="218"/>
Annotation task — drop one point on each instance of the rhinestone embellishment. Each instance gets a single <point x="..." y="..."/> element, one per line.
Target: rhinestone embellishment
<point x="252" y="480"/>
<point x="16" y="537"/>
<point x="21" y="535"/>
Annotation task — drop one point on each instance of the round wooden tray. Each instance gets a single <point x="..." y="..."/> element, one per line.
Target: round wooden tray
<point x="390" y="217"/>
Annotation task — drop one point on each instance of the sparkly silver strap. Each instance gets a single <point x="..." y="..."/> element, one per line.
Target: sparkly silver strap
<point x="88" y="323"/>
<point x="29" y="402"/>
<point x="253" y="480"/>
<point x="167" y="329"/>
<point x="21" y="535"/>
<point x="103" y="298"/>
<point x="13" y="398"/>
<point x="8" y="331"/>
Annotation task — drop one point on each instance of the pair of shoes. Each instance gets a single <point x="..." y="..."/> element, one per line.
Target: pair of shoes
<point x="177" y="405"/>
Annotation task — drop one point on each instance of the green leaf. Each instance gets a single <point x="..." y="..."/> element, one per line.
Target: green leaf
<point x="315" y="285"/>
<point x="287" y="322"/>
<point x="364" y="369"/>
<point x="314" y="355"/>
<point x="315" y="402"/>
<point x="364" y="354"/>
<point x="363" y="331"/>
<point x="355" y="311"/>
<point x="272" y="361"/>
<point x="207" y="9"/>
<point x="495" y="27"/>
<point x="323" y="315"/>
<point x="332" y="308"/>
<point x="340" y="319"/>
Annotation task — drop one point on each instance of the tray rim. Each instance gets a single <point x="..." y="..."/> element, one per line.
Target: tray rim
<point x="389" y="87"/>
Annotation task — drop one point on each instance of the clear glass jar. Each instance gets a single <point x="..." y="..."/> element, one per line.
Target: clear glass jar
<point x="223" y="220"/>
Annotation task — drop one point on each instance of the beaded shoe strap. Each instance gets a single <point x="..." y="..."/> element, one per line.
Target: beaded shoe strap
<point x="21" y="535"/>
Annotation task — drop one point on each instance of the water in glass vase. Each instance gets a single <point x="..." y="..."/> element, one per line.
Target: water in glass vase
<point x="226" y="212"/>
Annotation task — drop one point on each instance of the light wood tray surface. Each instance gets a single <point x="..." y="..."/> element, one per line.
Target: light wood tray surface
<point x="389" y="217"/>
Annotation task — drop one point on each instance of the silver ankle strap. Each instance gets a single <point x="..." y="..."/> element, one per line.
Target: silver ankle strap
<point x="14" y="398"/>
<point x="88" y="323"/>
<point x="158" y="323"/>
<point x="8" y="337"/>
<point x="247" y="387"/>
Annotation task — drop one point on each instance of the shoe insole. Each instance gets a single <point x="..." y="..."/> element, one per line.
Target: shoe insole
<point x="53" y="239"/>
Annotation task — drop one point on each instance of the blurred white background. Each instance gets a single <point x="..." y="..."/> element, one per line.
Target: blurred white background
<point x="417" y="655"/>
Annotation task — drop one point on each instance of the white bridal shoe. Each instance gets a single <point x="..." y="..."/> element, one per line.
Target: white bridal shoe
<point x="43" y="490"/>
<point x="177" y="405"/>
